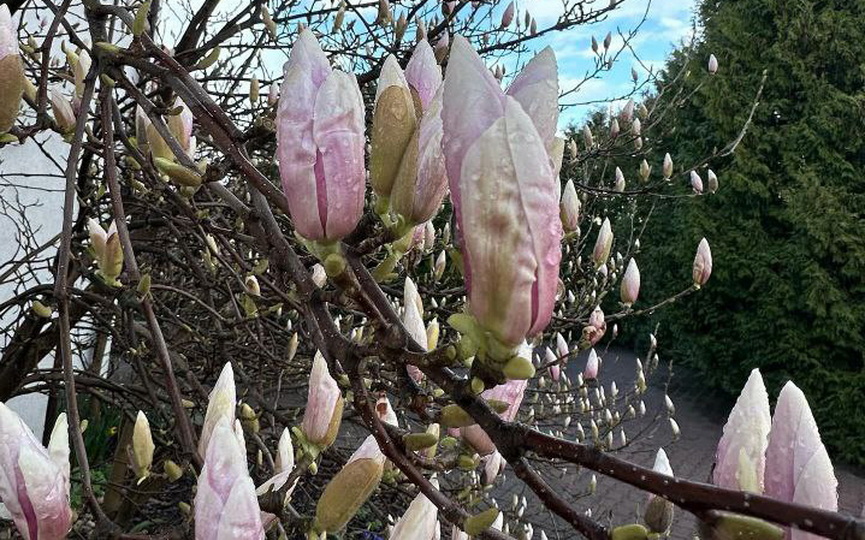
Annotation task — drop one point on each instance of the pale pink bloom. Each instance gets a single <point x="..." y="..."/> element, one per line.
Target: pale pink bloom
<point x="741" y="460"/>
<point x="221" y="405"/>
<point x="320" y="144"/>
<point x="323" y="403"/>
<point x="798" y="469"/>
<point x="630" y="289"/>
<point x="34" y="480"/>
<point x="511" y="393"/>
<point x="702" y="263"/>
<point x="226" y="505"/>
<point x="597" y="326"/>
<point x="423" y="73"/>
<point x="592" y="365"/>
<point x="505" y="198"/>
<point x="420" y="521"/>
<point x="493" y="465"/>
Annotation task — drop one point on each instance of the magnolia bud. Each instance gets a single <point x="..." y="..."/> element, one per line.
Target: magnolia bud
<point x="713" y="64"/>
<point x="614" y="128"/>
<point x="508" y="15"/>
<point x="64" y="116"/>
<point x="350" y="487"/>
<point x="637" y="127"/>
<point x="587" y="137"/>
<point x="603" y="245"/>
<point x="702" y="263"/>
<point x="142" y="447"/>
<point x="696" y="183"/>
<point x="594" y="44"/>
<point x="711" y="181"/>
<point x="630" y="288"/>
<point x="667" y="169"/>
<point x="619" y="186"/>
<point x="254" y="90"/>
<point x="569" y="207"/>
<point x="645" y="170"/>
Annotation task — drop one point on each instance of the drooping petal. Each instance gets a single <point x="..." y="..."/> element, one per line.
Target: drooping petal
<point x="740" y="460"/>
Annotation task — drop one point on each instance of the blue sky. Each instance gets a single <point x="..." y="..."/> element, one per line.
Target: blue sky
<point x="668" y="22"/>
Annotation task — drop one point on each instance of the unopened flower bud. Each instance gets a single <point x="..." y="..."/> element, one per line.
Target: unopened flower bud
<point x="713" y="64"/>
<point x="667" y="169"/>
<point x="696" y="183"/>
<point x="711" y="181"/>
<point x="142" y="447"/>
<point x="702" y="263"/>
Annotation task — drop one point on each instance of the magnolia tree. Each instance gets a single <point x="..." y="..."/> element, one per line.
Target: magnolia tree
<point x="280" y="351"/>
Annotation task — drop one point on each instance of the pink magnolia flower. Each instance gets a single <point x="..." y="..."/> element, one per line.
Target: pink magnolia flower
<point x="221" y="405"/>
<point x="630" y="289"/>
<point x="505" y="198"/>
<point x="226" y="505"/>
<point x="596" y="328"/>
<point x="798" y="469"/>
<point x="34" y="480"/>
<point x="702" y="263"/>
<point x="324" y="405"/>
<point x="740" y="459"/>
<point x="320" y="144"/>
<point x="511" y="393"/>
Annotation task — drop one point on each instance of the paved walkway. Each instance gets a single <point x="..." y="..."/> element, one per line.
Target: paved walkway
<point x="701" y="418"/>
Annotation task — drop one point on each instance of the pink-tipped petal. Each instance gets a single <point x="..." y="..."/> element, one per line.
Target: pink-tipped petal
<point x="338" y="133"/>
<point x="740" y="461"/>
<point x="798" y="469"/>
<point x="321" y="403"/>
<point x="423" y="73"/>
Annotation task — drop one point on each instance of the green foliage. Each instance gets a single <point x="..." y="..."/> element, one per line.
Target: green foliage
<point x="787" y="226"/>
